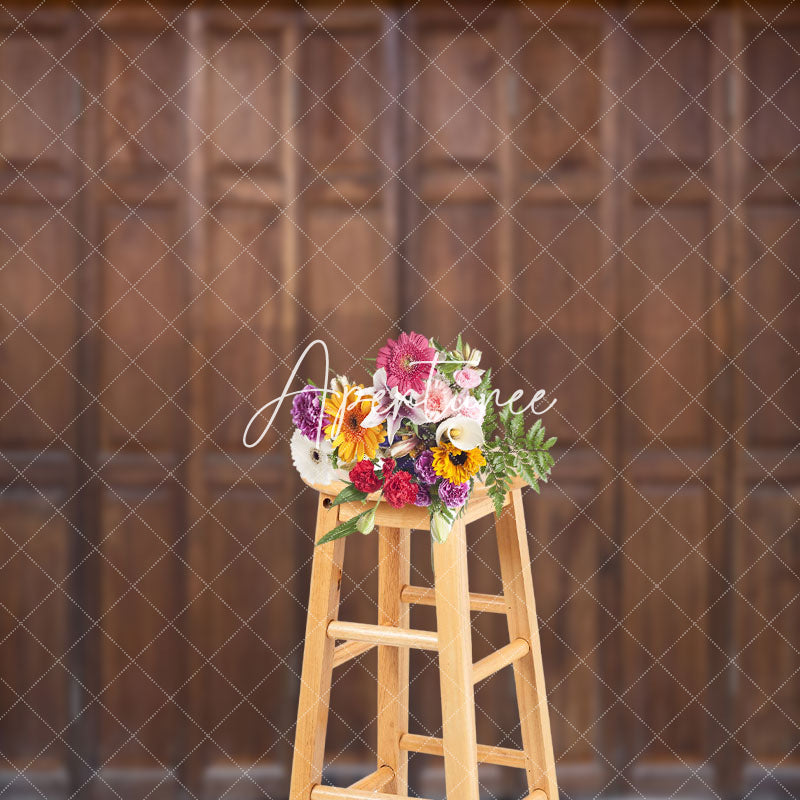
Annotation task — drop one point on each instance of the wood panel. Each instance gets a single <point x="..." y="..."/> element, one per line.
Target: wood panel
<point x="766" y="552"/>
<point x="601" y="198"/>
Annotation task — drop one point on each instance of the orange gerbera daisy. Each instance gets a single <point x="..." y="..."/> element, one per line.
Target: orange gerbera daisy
<point x="346" y="410"/>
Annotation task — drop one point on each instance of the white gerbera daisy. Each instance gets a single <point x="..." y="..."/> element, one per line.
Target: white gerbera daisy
<point x="312" y="462"/>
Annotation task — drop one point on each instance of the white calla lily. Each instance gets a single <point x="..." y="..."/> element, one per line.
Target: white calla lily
<point x="463" y="432"/>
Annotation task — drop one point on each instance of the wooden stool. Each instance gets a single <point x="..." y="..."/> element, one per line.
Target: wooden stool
<point x="452" y="640"/>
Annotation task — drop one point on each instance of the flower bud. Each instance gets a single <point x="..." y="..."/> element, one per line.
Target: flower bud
<point x="440" y="528"/>
<point x="474" y="358"/>
<point x="366" y="522"/>
<point x="403" y="447"/>
<point x="339" y="384"/>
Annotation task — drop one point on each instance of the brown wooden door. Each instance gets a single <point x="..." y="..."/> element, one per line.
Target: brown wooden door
<point x="604" y="199"/>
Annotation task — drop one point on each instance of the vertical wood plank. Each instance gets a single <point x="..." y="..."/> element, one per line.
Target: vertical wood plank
<point x="455" y="665"/>
<point x="508" y="169"/>
<point x="394" y="572"/>
<point x="193" y="547"/>
<point x="83" y="659"/>
<point x="315" y="680"/>
<point x="394" y="547"/>
<point x="512" y="543"/>
<point x="290" y="160"/>
<point x="290" y="262"/>
<point x="508" y="325"/>
<point x="614" y="207"/>
<point x="728" y="251"/>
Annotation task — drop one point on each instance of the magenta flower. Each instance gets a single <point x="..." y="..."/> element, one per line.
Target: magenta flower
<point x="408" y="362"/>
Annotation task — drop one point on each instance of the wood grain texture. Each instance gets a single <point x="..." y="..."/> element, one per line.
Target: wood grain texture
<point x="598" y="198"/>
<point x="388" y="635"/>
<point x="426" y="596"/>
<point x="512" y="542"/>
<point x="315" y="680"/>
<point x="348" y="650"/>
<point x="394" y="572"/>
<point x="376" y="781"/>
<point x="455" y="665"/>
<point x="336" y="793"/>
<point x="500" y="658"/>
<point x="487" y="754"/>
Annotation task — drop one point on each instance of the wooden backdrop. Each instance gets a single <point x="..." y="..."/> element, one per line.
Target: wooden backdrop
<point x="604" y="199"/>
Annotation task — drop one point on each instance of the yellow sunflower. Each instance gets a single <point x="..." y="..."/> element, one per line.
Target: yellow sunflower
<point x="457" y="466"/>
<point x="346" y="412"/>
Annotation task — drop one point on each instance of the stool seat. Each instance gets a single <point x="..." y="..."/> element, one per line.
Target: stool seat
<point x="394" y="637"/>
<point x="413" y="517"/>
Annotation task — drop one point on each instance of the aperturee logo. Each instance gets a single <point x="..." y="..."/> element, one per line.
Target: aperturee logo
<point x="427" y="431"/>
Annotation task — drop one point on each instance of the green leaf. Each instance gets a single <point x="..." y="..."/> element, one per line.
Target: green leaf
<point x="489" y="422"/>
<point x="533" y="431"/>
<point x="348" y="494"/>
<point x="485" y="386"/>
<point x="498" y="496"/>
<point x="517" y="426"/>
<point x="550" y="442"/>
<point x="343" y="529"/>
<point x="527" y="475"/>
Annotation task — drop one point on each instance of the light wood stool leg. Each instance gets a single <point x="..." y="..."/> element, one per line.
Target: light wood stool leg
<point x="455" y="666"/>
<point x="512" y="542"/>
<point x="394" y="572"/>
<point x="315" y="680"/>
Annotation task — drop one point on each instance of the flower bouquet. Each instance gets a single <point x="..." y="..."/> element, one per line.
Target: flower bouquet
<point x="423" y="434"/>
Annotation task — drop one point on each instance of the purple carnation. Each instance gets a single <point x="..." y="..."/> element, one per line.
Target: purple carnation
<point x="423" y="466"/>
<point x="423" y="496"/>
<point x="307" y="410"/>
<point x="453" y="495"/>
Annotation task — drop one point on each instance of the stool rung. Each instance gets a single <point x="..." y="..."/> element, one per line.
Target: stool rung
<point x="494" y="662"/>
<point x="349" y="650"/>
<point x="320" y="792"/>
<point x="487" y="754"/>
<point x="383" y="634"/>
<point x="423" y="596"/>
<point x="538" y="794"/>
<point x="375" y="781"/>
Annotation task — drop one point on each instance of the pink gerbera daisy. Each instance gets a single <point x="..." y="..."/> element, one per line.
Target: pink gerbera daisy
<point x="408" y="362"/>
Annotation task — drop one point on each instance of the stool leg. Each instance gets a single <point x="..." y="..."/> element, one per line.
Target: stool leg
<point x="394" y="572"/>
<point x="512" y="542"/>
<point x="455" y="666"/>
<point x="315" y="680"/>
